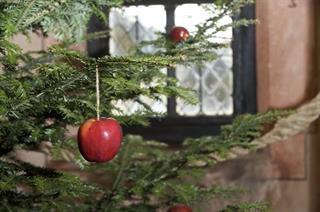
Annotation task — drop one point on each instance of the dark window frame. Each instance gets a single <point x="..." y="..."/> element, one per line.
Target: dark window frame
<point x="174" y="128"/>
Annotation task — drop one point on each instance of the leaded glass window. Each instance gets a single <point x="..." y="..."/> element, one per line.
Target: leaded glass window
<point x="224" y="87"/>
<point x="129" y="26"/>
<point x="212" y="82"/>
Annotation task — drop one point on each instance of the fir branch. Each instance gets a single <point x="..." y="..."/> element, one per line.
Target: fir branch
<point x="248" y="207"/>
<point x="27" y="101"/>
<point x="199" y="47"/>
<point x="167" y="169"/>
<point x="107" y="197"/>
<point x="116" y="61"/>
<point x="158" y="61"/>
<point x="24" y="13"/>
<point x="59" y="86"/>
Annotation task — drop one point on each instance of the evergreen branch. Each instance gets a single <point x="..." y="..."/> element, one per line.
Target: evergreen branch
<point x="248" y="207"/>
<point x="107" y="198"/>
<point x="112" y="61"/>
<point x="96" y="35"/>
<point x="147" y="60"/>
<point x="158" y="61"/>
<point x="24" y="13"/>
<point x="38" y="100"/>
<point x="36" y="18"/>
<point x="27" y="101"/>
<point x="244" y="125"/>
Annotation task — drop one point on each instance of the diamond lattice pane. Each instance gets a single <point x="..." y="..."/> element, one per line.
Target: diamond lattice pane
<point x="129" y="26"/>
<point x="216" y="95"/>
<point x="188" y="77"/>
<point x="212" y="82"/>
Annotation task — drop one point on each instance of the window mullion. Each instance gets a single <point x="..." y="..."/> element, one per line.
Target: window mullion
<point x="170" y="9"/>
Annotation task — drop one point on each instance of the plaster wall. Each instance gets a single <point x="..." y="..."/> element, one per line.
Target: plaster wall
<point x="286" y="78"/>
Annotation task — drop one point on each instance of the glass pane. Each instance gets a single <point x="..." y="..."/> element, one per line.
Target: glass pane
<point x="129" y="26"/>
<point x="188" y="77"/>
<point x="217" y="86"/>
<point x="213" y="82"/>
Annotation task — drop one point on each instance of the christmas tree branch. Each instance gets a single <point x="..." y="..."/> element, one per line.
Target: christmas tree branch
<point x="40" y="96"/>
<point x="107" y="198"/>
<point x="239" y="134"/>
<point x="24" y="13"/>
<point x="116" y="61"/>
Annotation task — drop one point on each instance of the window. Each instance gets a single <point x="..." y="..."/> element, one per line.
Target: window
<point x="225" y="87"/>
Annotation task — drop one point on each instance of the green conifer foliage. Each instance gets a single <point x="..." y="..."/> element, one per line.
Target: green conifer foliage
<point x="41" y="95"/>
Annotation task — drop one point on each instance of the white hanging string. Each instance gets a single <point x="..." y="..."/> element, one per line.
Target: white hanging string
<point x="97" y="92"/>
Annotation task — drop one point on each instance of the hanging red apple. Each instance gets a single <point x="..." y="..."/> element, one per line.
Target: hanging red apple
<point x="99" y="140"/>
<point x="179" y="34"/>
<point x="180" y="208"/>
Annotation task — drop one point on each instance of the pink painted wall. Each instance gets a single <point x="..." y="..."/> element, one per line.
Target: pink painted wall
<point x="285" y="47"/>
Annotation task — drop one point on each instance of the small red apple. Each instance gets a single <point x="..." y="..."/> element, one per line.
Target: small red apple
<point x="179" y="34"/>
<point x="180" y="208"/>
<point x="99" y="140"/>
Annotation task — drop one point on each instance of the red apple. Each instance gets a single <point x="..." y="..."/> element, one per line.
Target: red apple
<point x="180" y="208"/>
<point x="99" y="140"/>
<point x="179" y="34"/>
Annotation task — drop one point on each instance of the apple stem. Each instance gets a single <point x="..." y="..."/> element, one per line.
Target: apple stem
<point x="97" y="92"/>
